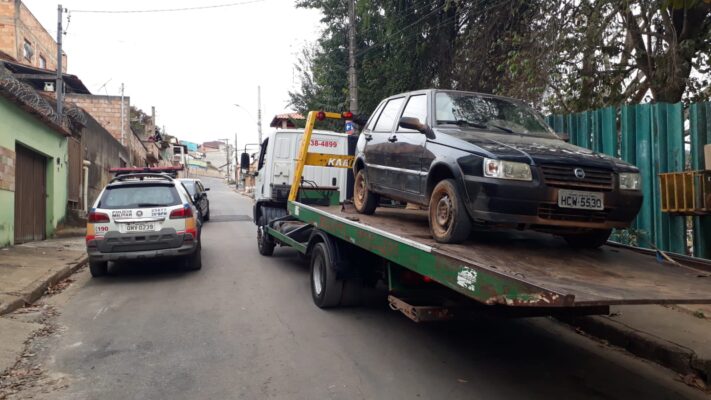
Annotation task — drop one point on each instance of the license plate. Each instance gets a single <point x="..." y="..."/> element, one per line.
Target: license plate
<point x="580" y="200"/>
<point x="140" y="227"/>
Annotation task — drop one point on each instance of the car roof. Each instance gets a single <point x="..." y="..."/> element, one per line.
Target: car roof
<point x="424" y="91"/>
<point x="127" y="181"/>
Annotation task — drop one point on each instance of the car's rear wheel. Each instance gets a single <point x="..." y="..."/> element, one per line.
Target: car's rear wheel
<point x="98" y="268"/>
<point x="449" y="221"/>
<point x="591" y="239"/>
<point x="364" y="200"/>
<point x="194" y="261"/>
<point x="207" y="215"/>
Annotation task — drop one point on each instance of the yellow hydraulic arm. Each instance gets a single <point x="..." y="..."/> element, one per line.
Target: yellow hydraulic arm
<point x="316" y="159"/>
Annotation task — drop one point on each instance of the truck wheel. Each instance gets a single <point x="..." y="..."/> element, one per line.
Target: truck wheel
<point x="98" y="268"/>
<point x="326" y="290"/>
<point x="193" y="262"/>
<point x="588" y="240"/>
<point x="449" y="221"/>
<point x="364" y="200"/>
<point x="264" y="241"/>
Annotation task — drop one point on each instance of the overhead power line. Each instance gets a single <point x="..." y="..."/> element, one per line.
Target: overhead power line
<point x="169" y="9"/>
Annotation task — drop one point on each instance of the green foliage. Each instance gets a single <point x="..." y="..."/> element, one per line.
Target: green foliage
<point x="564" y="55"/>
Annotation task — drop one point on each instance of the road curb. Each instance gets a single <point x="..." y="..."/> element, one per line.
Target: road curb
<point x="38" y="288"/>
<point x="668" y="354"/>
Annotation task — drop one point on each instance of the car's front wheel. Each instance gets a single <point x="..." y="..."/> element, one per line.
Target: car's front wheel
<point x="449" y="221"/>
<point x="364" y="200"/>
<point x="591" y="239"/>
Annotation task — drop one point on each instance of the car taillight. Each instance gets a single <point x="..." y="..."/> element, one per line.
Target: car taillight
<point x="185" y="212"/>
<point x="97" y="217"/>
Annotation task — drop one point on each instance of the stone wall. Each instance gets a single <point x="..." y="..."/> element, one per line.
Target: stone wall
<point x="7" y="169"/>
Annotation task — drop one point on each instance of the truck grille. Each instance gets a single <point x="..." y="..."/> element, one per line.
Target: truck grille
<point x="563" y="176"/>
<point x="553" y="212"/>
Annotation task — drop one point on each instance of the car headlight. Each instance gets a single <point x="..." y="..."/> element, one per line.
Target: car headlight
<point x="507" y="170"/>
<point x="630" y="181"/>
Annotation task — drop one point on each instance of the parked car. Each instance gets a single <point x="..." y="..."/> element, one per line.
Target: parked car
<point x="198" y="192"/>
<point x="484" y="159"/>
<point x="143" y="216"/>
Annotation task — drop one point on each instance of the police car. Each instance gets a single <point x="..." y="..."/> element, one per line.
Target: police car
<point x="143" y="213"/>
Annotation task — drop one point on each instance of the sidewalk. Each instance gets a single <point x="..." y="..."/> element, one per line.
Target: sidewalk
<point x="27" y="270"/>
<point x="677" y="337"/>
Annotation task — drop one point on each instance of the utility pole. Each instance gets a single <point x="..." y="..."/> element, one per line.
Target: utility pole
<point x="59" y="86"/>
<point x="259" y="113"/>
<point x="123" y="139"/>
<point x="352" y="79"/>
<point x="227" y="157"/>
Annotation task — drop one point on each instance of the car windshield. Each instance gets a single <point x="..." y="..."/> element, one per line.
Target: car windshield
<point x="190" y="185"/>
<point x="139" y="196"/>
<point x="491" y="113"/>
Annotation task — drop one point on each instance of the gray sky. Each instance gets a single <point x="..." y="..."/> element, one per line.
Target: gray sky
<point x="191" y="65"/>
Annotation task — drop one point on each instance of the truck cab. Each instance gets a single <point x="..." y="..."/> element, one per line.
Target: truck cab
<point x="276" y="167"/>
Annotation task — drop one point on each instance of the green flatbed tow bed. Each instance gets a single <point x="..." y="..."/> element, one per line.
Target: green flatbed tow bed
<point x="504" y="268"/>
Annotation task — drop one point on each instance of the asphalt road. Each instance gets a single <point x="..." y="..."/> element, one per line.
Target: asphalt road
<point x="245" y="327"/>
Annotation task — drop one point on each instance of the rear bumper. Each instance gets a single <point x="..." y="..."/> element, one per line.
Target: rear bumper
<point x="116" y="246"/>
<point x="534" y="203"/>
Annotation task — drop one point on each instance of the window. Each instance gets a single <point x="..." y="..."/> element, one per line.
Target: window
<point x="416" y="108"/>
<point x="27" y="51"/>
<point x="374" y="117"/>
<point x="262" y="154"/>
<point x="139" y="196"/>
<point x="190" y="187"/>
<point x="387" y="118"/>
<point x="42" y="62"/>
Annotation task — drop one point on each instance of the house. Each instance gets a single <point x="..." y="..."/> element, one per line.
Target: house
<point x="24" y="40"/>
<point x="35" y="167"/>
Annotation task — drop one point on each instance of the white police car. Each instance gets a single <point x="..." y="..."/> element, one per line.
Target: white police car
<point x="143" y="213"/>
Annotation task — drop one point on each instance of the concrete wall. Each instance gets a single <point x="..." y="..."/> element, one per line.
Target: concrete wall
<point x="17" y="24"/>
<point x="20" y="127"/>
<point x="104" y="152"/>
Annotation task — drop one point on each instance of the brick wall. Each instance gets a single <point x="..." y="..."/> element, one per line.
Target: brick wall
<point x="17" y="24"/>
<point x="7" y="28"/>
<point x="42" y="42"/>
<point x="107" y="111"/>
<point x="7" y="169"/>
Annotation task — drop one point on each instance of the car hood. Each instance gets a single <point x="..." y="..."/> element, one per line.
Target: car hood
<point x="533" y="149"/>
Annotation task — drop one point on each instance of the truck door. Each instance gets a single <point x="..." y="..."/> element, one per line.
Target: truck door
<point x="261" y="181"/>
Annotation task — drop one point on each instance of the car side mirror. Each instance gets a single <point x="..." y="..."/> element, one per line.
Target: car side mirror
<point x="415" y="124"/>
<point x="564" y="137"/>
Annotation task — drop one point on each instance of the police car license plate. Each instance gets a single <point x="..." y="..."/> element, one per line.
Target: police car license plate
<point x="580" y="200"/>
<point x="137" y="227"/>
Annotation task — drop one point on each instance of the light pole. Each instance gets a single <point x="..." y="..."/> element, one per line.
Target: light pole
<point x="227" y="156"/>
<point x="257" y="121"/>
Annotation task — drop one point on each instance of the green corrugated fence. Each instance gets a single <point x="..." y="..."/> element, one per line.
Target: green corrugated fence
<point x="652" y="137"/>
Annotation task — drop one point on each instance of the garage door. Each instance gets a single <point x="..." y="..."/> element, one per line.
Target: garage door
<point x="30" y="195"/>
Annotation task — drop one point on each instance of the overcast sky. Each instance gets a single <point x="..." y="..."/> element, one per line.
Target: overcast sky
<point x="192" y="65"/>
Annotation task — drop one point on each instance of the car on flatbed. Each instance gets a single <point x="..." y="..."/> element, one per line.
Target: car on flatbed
<point x="481" y="159"/>
<point x="144" y="215"/>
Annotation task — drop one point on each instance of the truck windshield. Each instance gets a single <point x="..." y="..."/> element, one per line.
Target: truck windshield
<point x="491" y="113"/>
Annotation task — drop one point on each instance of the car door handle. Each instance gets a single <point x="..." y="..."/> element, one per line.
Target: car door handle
<point x="392" y="139"/>
<point x="368" y="137"/>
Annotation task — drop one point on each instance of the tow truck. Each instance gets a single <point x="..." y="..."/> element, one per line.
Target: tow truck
<point x="509" y="273"/>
